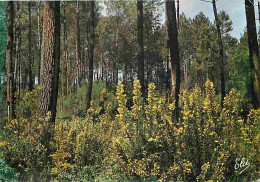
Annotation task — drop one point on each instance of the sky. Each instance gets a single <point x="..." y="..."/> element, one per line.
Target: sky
<point x="235" y="9"/>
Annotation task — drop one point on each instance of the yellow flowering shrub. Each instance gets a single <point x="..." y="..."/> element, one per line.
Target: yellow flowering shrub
<point x="140" y="141"/>
<point x="27" y="144"/>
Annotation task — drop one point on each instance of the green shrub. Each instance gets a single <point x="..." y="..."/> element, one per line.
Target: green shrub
<point x="141" y="141"/>
<point x="7" y="173"/>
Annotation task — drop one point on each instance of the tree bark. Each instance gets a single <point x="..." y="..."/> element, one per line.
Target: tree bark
<point x="30" y="48"/>
<point x="67" y="61"/>
<point x="168" y="70"/>
<point x="39" y="40"/>
<point x="91" y="54"/>
<point x="17" y="49"/>
<point x="221" y="52"/>
<point x="186" y="63"/>
<point x="174" y="53"/>
<point x="79" y="62"/>
<point x="253" y="52"/>
<point x="18" y="52"/>
<point x="258" y="18"/>
<point x="50" y="58"/>
<point x="178" y="13"/>
<point x="56" y="60"/>
<point x="10" y="62"/>
<point x="115" y="64"/>
<point x="140" y="40"/>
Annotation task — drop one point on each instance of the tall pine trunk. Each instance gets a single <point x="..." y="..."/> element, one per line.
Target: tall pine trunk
<point x="253" y="52"/>
<point x="91" y="54"/>
<point x="258" y="5"/>
<point x="178" y="13"/>
<point x="221" y="53"/>
<point x="78" y="46"/>
<point x="66" y="61"/>
<point x="174" y="53"/>
<point x="10" y="61"/>
<point x="17" y="48"/>
<point x="39" y="32"/>
<point x="50" y="58"/>
<point x="140" y="40"/>
<point x="30" y="48"/>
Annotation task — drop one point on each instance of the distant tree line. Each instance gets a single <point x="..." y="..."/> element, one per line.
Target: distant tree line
<point x="62" y="46"/>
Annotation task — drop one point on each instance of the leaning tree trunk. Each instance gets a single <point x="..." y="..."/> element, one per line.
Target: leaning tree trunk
<point x="50" y="58"/>
<point x="221" y="53"/>
<point x="140" y="40"/>
<point x="253" y="52"/>
<point x="10" y="62"/>
<point x="91" y="54"/>
<point x="30" y="48"/>
<point x="174" y="53"/>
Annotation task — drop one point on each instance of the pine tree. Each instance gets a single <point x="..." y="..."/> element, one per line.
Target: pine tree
<point x="174" y="52"/>
<point x="253" y="51"/>
<point x="30" y="48"/>
<point x="91" y="56"/>
<point x="140" y="40"/>
<point x="221" y="53"/>
<point x="10" y="61"/>
<point x="50" y="58"/>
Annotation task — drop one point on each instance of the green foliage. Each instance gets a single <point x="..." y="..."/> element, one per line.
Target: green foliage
<point x="75" y="103"/>
<point x="123" y="137"/>
<point x="7" y="173"/>
<point x="240" y="77"/>
<point x="140" y="142"/>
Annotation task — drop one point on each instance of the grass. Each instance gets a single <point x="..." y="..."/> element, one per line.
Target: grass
<point x="75" y="103"/>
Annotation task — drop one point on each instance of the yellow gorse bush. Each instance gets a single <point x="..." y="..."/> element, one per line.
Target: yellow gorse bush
<point x="142" y="141"/>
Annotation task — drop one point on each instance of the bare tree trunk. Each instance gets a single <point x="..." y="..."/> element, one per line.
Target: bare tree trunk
<point x="148" y="71"/>
<point x="259" y="18"/>
<point x="17" y="62"/>
<point x="125" y="71"/>
<point x="174" y="53"/>
<point x="17" y="48"/>
<point x="30" y="48"/>
<point x="10" y="62"/>
<point x="14" y="53"/>
<point x="91" y="56"/>
<point x="19" y="70"/>
<point x="253" y="52"/>
<point x="115" y="64"/>
<point x="140" y="40"/>
<point x="39" y="40"/>
<point x="102" y="66"/>
<point x="67" y="62"/>
<point x="50" y="58"/>
<point x="200" y="80"/>
<point x="178" y="13"/>
<point x="78" y="47"/>
<point x="168" y="70"/>
<point x="186" y="72"/>
<point x="56" y="61"/>
<point x="221" y="52"/>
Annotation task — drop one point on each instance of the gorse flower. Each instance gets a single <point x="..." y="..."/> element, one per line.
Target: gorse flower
<point x="139" y="141"/>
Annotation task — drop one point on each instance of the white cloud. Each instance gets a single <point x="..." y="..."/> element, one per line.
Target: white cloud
<point x="186" y="4"/>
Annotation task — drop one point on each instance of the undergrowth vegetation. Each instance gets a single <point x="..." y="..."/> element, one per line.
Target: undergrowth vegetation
<point x="137" y="142"/>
